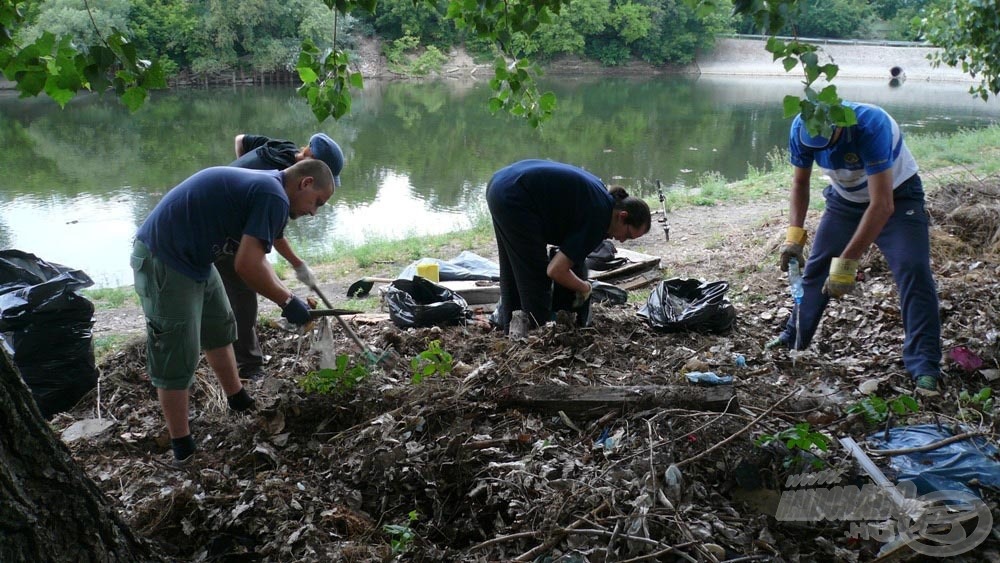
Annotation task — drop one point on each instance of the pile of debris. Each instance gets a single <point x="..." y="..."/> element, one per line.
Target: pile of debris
<point x="567" y="445"/>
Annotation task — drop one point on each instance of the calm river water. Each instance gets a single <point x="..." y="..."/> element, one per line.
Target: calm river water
<point x="76" y="183"/>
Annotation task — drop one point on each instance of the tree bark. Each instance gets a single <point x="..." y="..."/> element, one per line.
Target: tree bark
<point x="49" y="509"/>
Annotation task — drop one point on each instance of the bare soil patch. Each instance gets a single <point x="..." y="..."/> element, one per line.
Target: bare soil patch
<point x="463" y="476"/>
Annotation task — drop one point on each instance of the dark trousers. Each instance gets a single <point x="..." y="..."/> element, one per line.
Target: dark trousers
<point x="905" y="243"/>
<point x="244" y="303"/>
<point x="524" y="258"/>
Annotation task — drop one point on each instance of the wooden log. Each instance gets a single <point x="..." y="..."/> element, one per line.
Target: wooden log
<point x="642" y="280"/>
<point x="637" y="263"/>
<point x="598" y="399"/>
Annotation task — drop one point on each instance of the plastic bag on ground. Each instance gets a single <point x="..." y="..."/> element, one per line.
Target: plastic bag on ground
<point x="420" y="302"/>
<point x="46" y="327"/>
<point x="948" y="468"/>
<point x="679" y="305"/>
<point x="466" y="266"/>
<point x="605" y="257"/>
<point x="608" y="293"/>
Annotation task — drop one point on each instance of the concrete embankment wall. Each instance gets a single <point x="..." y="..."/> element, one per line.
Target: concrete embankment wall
<point x="747" y="57"/>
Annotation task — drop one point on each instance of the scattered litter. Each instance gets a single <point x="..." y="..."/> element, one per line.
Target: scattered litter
<point x="948" y="468"/>
<point x="709" y="378"/>
<point x="965" y="358"/>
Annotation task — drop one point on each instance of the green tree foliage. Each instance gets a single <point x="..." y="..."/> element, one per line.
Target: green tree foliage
<point x="677" y="31"/>
<point x="60" y="68"/>
<point x="829" y="19"/>
<point x="164" y="30"/>
<point x="968" y="31"/>
<point x="312" y="37"/>
<point x="847" y="19"/>
<point x="426" y="21"/>
<point x="71" y="18"/>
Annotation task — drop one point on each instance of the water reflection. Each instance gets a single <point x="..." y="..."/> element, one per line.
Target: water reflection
<point x="75" y="184"/>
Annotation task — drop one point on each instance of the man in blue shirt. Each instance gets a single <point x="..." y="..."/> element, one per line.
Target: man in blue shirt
<point x="258" y="152"/>
<point x="215" y="212"/>
<point x="875" y="196"/>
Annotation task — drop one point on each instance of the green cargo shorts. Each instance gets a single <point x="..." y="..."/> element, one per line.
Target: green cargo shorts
<point x="183" y="316"/>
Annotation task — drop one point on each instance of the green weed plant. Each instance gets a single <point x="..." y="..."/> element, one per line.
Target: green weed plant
<point x="338" y="380"/>
<point x="432" y="361"/>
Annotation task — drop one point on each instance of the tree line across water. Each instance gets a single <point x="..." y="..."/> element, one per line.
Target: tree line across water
<point x="254" y="38"/>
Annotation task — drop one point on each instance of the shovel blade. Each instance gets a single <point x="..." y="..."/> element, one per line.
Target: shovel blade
<point x="360" y="288"/>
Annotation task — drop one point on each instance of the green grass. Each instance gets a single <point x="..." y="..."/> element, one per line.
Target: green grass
<point x="975" y="151"/>
<point x="109" y="343"/>
<point x="112" y="297"/>
<point x="378" y="250"/>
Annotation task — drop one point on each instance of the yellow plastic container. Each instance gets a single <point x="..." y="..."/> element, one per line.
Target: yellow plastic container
<point x="429" y="271"/>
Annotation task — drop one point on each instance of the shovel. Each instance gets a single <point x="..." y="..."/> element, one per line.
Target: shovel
<point x="387" y="358"/>
<point x="332" y="312"/>
<point x="361" y="287"/>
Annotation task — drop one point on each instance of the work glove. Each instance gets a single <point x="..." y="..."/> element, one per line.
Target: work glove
<point x="305" y="275"/>
<point x="843" y="273"/>
<point x="582" y="297"/>
<point x="795" y="239"/>
<point x="296" y="311"/>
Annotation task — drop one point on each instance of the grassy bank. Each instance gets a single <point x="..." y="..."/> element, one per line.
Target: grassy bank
<point x="962" y="156"/>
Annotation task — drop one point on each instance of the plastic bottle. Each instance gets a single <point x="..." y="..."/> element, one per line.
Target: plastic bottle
<point x="795" y="280"/>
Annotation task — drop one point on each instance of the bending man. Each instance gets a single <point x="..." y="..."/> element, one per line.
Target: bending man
<point x="216" y="211"/>
<point x="875" y="195"/>
<point x="264" y="153"/>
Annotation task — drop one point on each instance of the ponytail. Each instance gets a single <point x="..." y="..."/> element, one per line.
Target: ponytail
<point x="637" y="209"/>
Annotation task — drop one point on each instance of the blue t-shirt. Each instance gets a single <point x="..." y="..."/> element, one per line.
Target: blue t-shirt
<point x="205" y="217"/>
<point x="265" y="153"/>
<point x="573" y="204"/>
<point x="871" y="146"/>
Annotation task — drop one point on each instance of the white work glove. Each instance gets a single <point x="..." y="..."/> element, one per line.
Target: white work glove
<point x="305" y="275"/>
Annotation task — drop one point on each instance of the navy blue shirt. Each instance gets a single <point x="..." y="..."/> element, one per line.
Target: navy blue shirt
<point x="265" y="153"/>
<point x="205" y="217"/>
<point x="573" y="205"/>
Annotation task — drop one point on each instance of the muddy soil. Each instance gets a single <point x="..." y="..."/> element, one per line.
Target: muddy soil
<point x="450" y="468"/>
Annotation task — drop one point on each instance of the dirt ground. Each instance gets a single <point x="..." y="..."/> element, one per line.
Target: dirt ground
<point x="469" y="465"/>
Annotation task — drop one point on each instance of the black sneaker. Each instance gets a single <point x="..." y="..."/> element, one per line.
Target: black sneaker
<point x="255" y="373"/>
<point x="182" y="463"/>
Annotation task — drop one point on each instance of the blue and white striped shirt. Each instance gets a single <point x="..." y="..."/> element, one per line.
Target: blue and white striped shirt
<point x="871" y="146"/>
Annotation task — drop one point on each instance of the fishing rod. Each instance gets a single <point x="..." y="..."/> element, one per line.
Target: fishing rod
<point x="663" y="206"/>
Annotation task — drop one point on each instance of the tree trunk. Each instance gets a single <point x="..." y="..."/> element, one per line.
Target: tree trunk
<point x="49" y="509"/>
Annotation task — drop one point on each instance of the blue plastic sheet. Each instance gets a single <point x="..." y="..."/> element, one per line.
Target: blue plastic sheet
<point x="948" y="468"/>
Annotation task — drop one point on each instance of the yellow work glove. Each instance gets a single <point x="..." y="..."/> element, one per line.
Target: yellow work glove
<point x="795" y="239"/>
<point x="843" y="273"/>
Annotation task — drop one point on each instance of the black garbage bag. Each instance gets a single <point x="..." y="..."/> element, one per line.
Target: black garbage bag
<point x="46" y="327"/>
<point x="678" y="305"/>
<point x="608" y="293"/>
<point x="604" y="257"/>
<point x="420" y="302"/>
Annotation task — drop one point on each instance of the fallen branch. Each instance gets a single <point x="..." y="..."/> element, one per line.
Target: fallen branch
<point x="502" y="539"/>
<point x="929" y="447"/>
<point x="738" y="432"/>
<point x="558" y="535"/>
<point x="657" y="554"/>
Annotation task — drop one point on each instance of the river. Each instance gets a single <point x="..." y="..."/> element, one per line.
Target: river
<point x="76" y="183"/>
